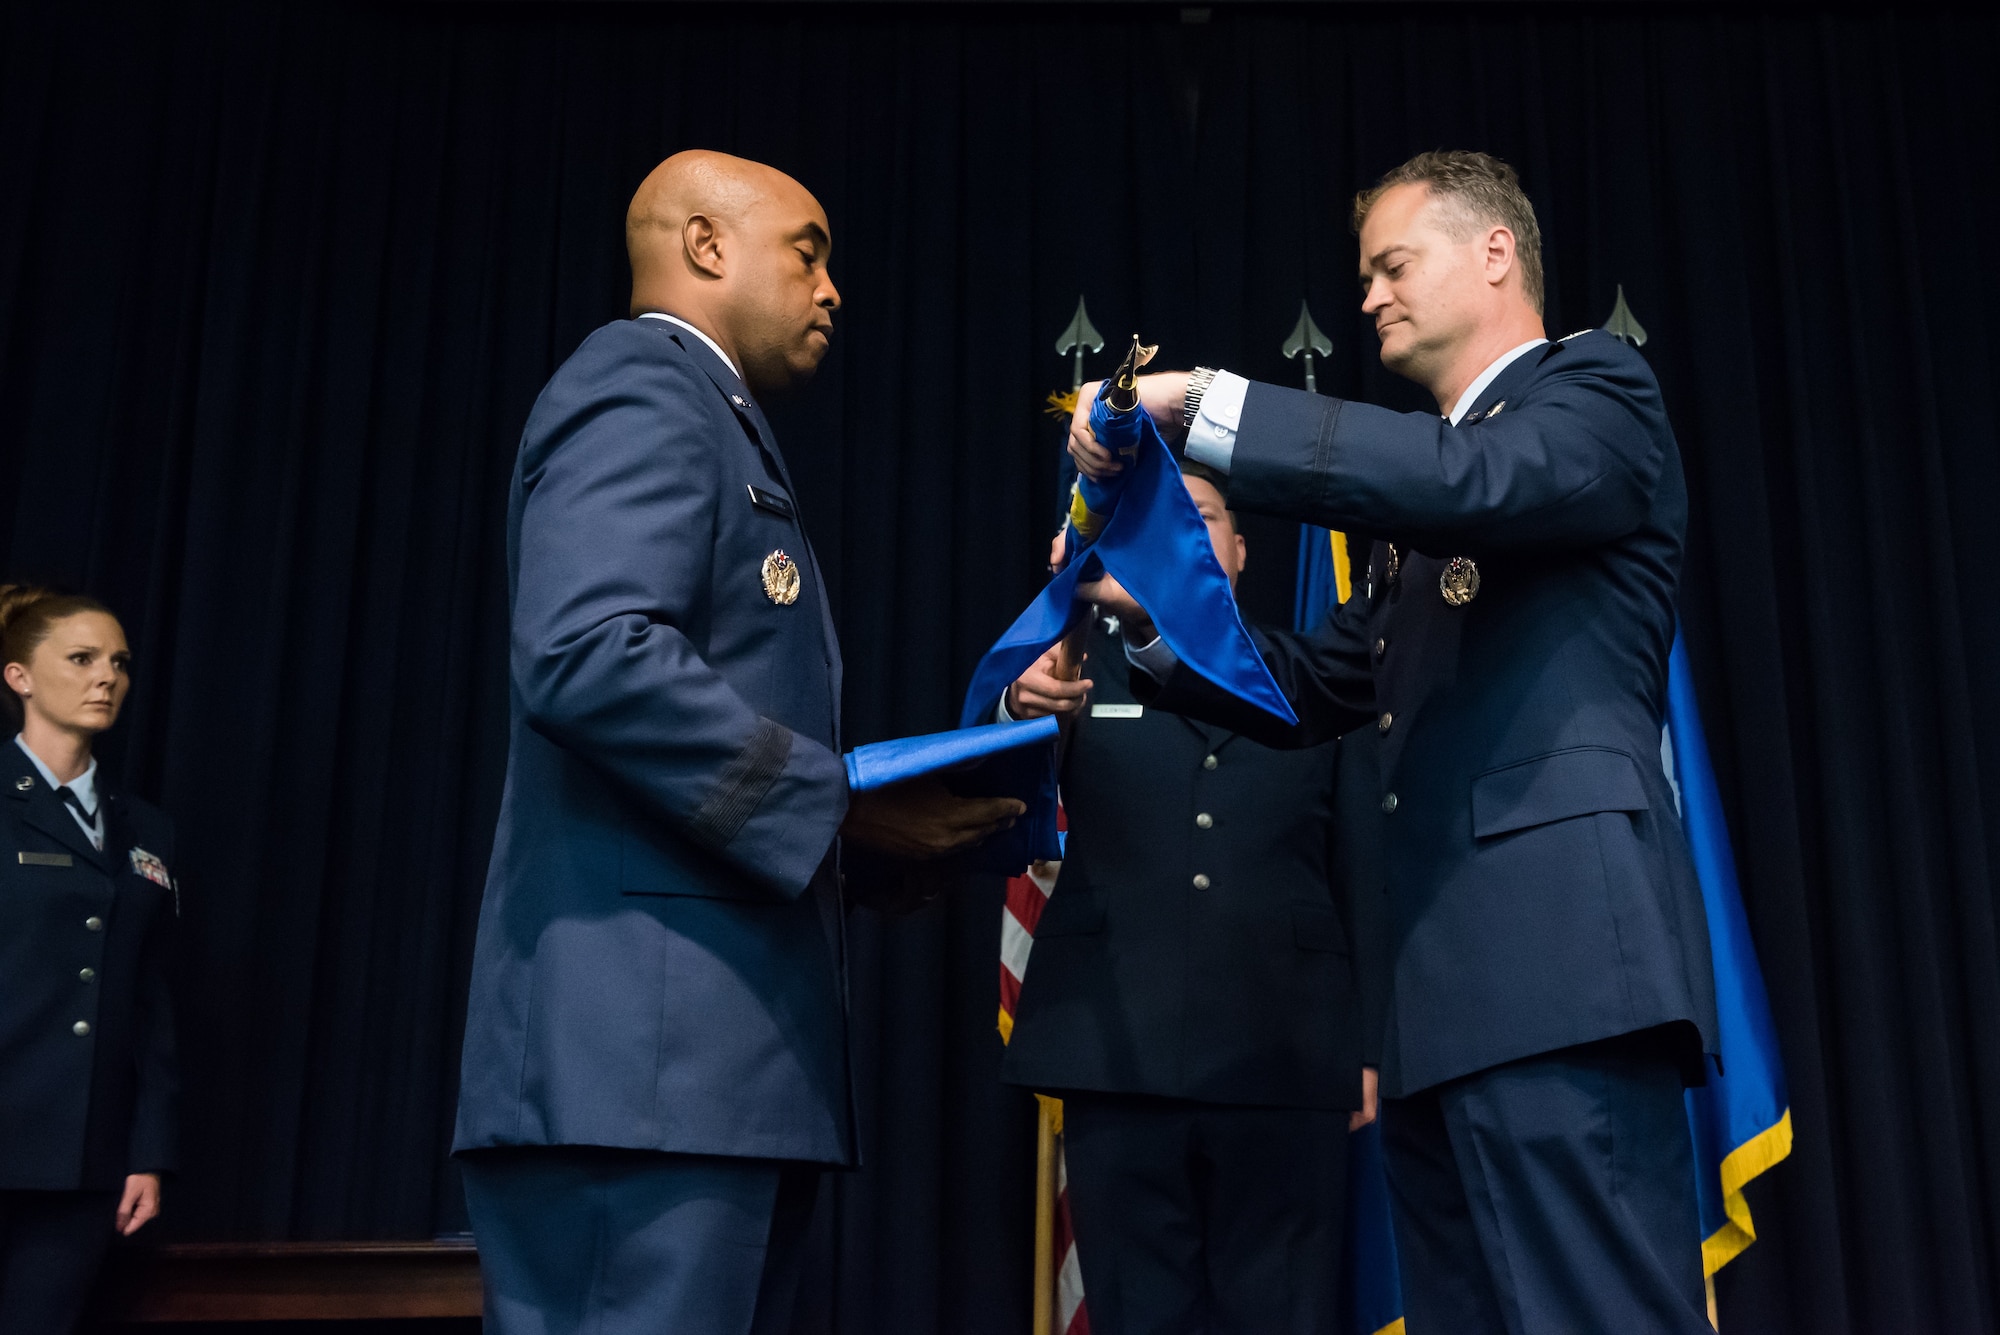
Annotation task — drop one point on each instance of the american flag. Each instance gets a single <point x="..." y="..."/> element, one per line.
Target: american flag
<point x="1027" y="895"/>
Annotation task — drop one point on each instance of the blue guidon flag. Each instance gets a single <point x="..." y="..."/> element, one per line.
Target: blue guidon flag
<point x="1741" y="1119"/>
<point x="1141" y="528"/>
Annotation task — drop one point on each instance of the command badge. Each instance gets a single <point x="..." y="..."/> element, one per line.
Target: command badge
<point x="1460" y="581"/>
<point x="781" y="579"/>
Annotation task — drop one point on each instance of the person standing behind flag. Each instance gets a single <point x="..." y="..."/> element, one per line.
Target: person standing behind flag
<point x="1204" y="992"/>
<point x="1552" y="987"/>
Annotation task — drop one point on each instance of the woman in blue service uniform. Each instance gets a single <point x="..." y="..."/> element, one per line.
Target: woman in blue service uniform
<point x="88" y="1079"/>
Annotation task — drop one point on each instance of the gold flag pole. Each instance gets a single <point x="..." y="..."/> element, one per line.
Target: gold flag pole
<point x="1045" y="1219"/>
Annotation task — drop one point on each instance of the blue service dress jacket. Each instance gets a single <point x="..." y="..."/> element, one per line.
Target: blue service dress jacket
<point x="89" y="1079"/>
<point x="1214" y="934"/>
<point x="1541" y="892"/>
<point x="659" y="955"/>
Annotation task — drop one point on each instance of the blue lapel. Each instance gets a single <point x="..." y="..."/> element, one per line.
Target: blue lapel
<point x="1510" y="384"/>
<point x="754" y="424"/>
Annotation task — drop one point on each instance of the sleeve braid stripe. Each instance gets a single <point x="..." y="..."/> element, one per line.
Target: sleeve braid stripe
<point x="741" y="786"/>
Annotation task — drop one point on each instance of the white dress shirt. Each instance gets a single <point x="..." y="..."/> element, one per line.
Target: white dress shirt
<point x="1212" y="440"/>
<point x="713" y="346"/>
<point x="83" y="785"/>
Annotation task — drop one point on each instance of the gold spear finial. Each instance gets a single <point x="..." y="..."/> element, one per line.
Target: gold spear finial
<point x="1124" y="394"/>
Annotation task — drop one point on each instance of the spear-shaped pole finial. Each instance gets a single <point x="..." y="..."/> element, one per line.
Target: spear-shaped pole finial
<point x="1079" y="337"/>
<point x="1306" y="339"/>
<point x="1122" y="391"/>
<point x="1621" y="325"/>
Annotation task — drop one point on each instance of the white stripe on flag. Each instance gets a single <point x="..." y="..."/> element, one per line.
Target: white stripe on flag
<point x="1069" y="1289"/>
<point x="1015" y="943"/>
<point x="1069" y="1277"/>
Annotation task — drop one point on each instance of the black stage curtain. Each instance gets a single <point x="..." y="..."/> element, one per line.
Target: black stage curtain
<point x="278" y="284"/>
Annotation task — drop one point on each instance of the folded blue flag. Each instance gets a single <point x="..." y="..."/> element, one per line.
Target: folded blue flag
<point x="995" y="760"/>
<point x="1154" y="542"/>
<point x="880" y="764"/>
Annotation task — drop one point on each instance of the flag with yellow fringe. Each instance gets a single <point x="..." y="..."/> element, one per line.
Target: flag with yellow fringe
<point x="1741" y="1119"/>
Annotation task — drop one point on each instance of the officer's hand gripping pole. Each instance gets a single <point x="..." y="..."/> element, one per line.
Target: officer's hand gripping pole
<point x="1115" y="421"/>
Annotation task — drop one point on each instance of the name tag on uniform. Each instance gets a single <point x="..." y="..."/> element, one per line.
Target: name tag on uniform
<point x="1117" y="711"/>
<point x="768" y="500"/>
<point x="47" y="860"/>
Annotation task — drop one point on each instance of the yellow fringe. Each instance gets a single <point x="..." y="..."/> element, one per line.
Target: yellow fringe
<point x="1393" y="1328"/>
<point x="1061" y="403"/>
<point x="1743" y="1163"/>
<point x="1006" y="1026"/>
<point x="1087" y="522"/>
<point x="1053" y="1107"/>
<point x="1343" y="576"/>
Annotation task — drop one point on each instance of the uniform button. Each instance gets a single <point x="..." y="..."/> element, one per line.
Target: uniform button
<point x="86" y="974"/>
<point x="1383" y="724"/>
<point x="1389" y="805"/>
<point x="1204" y="821"/>
<point x="81" y="1029"/>
<point x="1209" y="762"/>
<point x="1200" y="881"/>
<point x="93" y="924"/>
<point x="1381" y="647"/>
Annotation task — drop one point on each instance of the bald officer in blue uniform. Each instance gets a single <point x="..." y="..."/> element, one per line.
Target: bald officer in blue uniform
<point x="1550" y="978"/>
<point x="655" y="1064"/>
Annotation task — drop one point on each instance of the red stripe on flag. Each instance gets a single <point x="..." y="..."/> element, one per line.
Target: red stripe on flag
<point x="1025" y="901"/>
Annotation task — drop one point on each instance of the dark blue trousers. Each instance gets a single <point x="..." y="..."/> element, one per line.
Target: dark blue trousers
<point x="1549" y="1196"/>
<point x="1206" y="1219"/>
<point x="581" y="1241"/>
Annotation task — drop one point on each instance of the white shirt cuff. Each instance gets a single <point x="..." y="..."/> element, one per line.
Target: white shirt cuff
<point x="1000" y="714"/>
<point x="1211" y="439"/>
<point x="1153" y="658"/>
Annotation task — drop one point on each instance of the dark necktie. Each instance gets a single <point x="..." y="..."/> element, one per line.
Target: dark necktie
<point x="75" y="803"/>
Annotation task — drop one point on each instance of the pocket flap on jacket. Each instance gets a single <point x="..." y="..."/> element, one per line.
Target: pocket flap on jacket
<point x="1555" y="787"/>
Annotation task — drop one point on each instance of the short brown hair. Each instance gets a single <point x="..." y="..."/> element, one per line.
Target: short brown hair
<point x="1478" y="188"/>
<point x="27" y="615"/>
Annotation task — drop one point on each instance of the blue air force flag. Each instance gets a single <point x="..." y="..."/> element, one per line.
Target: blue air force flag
<point x="1152" y="540"/>
<point x="1741" y="1120"/>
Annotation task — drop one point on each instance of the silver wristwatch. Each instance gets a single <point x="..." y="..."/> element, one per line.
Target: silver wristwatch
<point x="1199" y="380"/>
